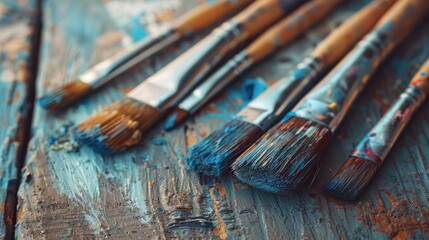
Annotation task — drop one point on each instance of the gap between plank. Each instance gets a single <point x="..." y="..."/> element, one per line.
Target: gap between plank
<point x="24" y="139"/>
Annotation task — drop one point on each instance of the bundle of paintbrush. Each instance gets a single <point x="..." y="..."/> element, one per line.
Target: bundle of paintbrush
<point x="195" y="21"/>
<point x="214" y="154"/>
<point x="271" y="40"/>
<point x="121" y="125"/>
<point x="288" y="156"/>
<point x="355" y="174"/>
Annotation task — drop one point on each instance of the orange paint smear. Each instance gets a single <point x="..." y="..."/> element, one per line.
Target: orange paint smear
<point x="221" y="188"/>
<point x="220" y="229"/>
<point x="209" y="108"/>
<point x="398" y="219"/>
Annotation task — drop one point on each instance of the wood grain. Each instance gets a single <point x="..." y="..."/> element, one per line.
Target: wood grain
<point x="147" y="192"/>
<point x="18" y="30"/>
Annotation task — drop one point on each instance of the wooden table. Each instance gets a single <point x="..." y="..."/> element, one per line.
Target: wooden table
<point x="147" y="192"/>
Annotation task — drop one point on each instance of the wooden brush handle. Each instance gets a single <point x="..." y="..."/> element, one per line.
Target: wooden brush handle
<point x="289" y="28"/>
<point x="261" y="14"/>
<point x="331" y="99"/>
<point x="379" y="141"/>
<point x="421" y="79"/>
<point x="207" y="14"/>
<point x="343" y="38"/>
<point x="398" y="22"/>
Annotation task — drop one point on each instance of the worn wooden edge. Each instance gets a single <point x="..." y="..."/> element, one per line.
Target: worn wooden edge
<point x="19" y="26"/>
<point x="148" y="191"/>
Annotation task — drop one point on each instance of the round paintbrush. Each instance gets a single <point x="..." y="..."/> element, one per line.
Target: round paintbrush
<point x="197" y="20"/>
<point x="122" y="124"/>
<point x="271" y="40"/>
<point x="285" y="158"/>
<point x="356" y="173"/>
<point x="214" y="154"/>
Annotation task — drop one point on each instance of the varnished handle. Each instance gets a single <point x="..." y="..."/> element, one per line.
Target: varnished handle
<point x="262" y="13"/>
<point x="400" y="20"/>
<point x="421" y="79"/>
<point x="207" y="14"/>
<point x="289" y="28"/>
<point x="344" y="37"/>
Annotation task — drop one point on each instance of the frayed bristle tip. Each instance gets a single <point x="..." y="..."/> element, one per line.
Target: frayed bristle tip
<point x="118" y="126"/>
<point x="285" y="158"/>
<point x="214" y="154"/>
<point x="351" y="179"/>
<point x="64" y="96"/>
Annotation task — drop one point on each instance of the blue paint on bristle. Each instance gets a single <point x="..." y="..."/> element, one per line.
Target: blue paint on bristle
<point x="97" y="144"/>
<point x="169" y="123"/>
<point x="285" y="158"/>
<point x="48" y="100"/>
<point x="214" y="154"/>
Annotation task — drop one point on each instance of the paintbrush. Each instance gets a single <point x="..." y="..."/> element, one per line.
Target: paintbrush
<point x="121" y="124"/>
<point x="214" y="154"/>
<point x="271" y="40"/>
<point x="197" y="20"/>
<point x="356" y="173"/>
<point x="285" y="158"/>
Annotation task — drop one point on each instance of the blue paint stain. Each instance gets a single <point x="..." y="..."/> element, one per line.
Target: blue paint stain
<point x="251" y="88"/>
<point x="138" y="32"/>
<point x="158" y="142"/>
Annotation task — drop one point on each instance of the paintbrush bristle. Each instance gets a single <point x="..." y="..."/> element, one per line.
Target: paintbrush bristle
<point x="118" y="126"/>
<point x="351" y="179"/>
<point x="214" y="154"/>
<point x="285" y="158"/>
<point x="65" y="95"/>
<point x="176" y="118"/>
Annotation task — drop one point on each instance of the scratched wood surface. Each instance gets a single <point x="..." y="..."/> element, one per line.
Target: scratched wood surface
<point x="17" y="38"/>
<point x="68" y="191"/>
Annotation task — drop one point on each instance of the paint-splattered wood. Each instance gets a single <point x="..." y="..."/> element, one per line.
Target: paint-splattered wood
<point x="18" y="34"/>
<point x="148" y="193"/>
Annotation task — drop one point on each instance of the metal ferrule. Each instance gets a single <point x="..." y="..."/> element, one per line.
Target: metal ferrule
<point x="330" y="100"/>
<point x="272" y="104"/>
<point x="377" y="143"/>
<point x="97" y="75"/>
<point x="167" y="87"/>
<point x="215" y="83"/>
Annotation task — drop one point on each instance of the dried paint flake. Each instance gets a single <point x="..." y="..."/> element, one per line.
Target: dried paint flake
<point x="63" y="140"/>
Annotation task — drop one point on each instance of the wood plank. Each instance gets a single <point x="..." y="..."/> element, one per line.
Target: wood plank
<point x="18" y="20"/>
<point x="147" y="191"/>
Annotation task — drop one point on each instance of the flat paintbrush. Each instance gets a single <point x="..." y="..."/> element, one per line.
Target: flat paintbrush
<point x="197" y="20"/>
<point x="121" y="124"/>
<point x="356" y="173"/>
<point x="271" y="40"/>
<point x="214" y="154"/>
<point x="285" y="158"/>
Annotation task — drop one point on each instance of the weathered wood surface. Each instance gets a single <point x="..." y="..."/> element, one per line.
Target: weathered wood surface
<point x="18" y="32"/>
<point x="148" y="193"/>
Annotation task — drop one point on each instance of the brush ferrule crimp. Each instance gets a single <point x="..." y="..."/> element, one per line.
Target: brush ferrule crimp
<point x="267" y="108"/>
<point x="217" y="81"/>
<point x="328" y="102"/>
<point x="167" y="87"/>
<point x="97" y="75"/>
<point x="377" y="143"/>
